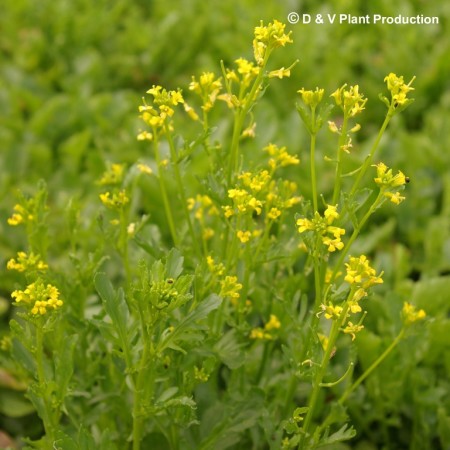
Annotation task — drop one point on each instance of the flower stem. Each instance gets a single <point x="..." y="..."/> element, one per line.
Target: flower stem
<point x="49" y="417"/>
<point x="354" y="235"/>
<point x="313" y="161"/>
<point x="317" y="383"/>
<point x="180" y="186"/>
<point x="142" y="387"/>
<point x="373" y="366"/>
<point x="341" y="143"/>
<point x="239" y="118"/>
<point x="367" y="163"/>
<point x="162" y="187"/>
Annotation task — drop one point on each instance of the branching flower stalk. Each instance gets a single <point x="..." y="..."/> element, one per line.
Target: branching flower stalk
<point x="321" y="371"/>
<point x="399" y="101"/>
<point x="410" y="315"/>
<point x="160" y="167"/>
<point x="181" y="188"/>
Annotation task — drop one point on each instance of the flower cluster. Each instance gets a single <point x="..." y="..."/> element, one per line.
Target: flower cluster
<point x="215" y="269"/>
<point x="389" y="183"/>
<point x="264" y="333"/>
<point x="258" y="191"/>
<point x="267" y="38"/>
<point x="280" y="157"/>
<point x="243" y="201"/>
<point x="351" y="101"/>
<point x="229" y="288"/>
<point x="399" y="90"/>
<point x="207" y="87"/>
<point x="26" y="262"/>
<point x="311" y="98"/>
<point x="159" y="118"/>
<point x="243" y="76"/>
<point x="113" y="175"/>
<point x="411" y="314"/>
<point x="42" y="298"/>
<point x="203" y="206"/>
<point x="22" y="214"/>
<point x="322" y="225"/>
<point x="116" y="200"/>
<point x="360" y="274"/>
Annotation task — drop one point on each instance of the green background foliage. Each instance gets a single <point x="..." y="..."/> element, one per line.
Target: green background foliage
<point x="71" y="76"/>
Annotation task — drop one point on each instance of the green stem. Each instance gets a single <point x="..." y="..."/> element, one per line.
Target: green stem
<point x="313" y="161"/>
<point x="49" y="418"/>
<point x="123" y="244"/>
<point x="180" y="187"/>
<point x="373" y="366"/>
<point x="317" y="383"/>
<point x="367" y="163"/>
<point x="354" y="235"/>
<point x="240" y="117"/>
<point x="162" y="187"/>
<point x="341" y="143"/>
<point x="142" y="380"/>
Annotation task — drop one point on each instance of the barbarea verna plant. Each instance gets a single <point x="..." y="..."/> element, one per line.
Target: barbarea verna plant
<point x="217" y="323"/>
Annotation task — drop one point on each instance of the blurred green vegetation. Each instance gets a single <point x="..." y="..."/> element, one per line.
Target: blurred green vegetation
<point x="72" y="73"/>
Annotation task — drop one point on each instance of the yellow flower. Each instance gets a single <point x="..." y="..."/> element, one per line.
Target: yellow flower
<point x="26" y="262"/>
<point x="399" y="90"/>
<point x="215" y="269"/>
<point x="208" y="87"/>
<point x="360" y="273"/>
<point x="246" y="67"/>
<point x="190" y="111"/>
<point x="280" y="73"/>
<point x="351" y="101"/>
<point x="39" y="297"/>
<point x="395" y="198"/>
<point x="333" y="127"/>
<point x="304" y="225"/>
<point x="244" y="236"/>
<point x="113" y="175"/>
<point x="280" y="157"/>
<point x="269" y="37"/>
<point x="274" y="213"/>
<point x="145" y="136"/>
<point x="21" y="215"/>
<point x="259" y="333"/>
<point x="143" y="168"/>
<point x="311" y="98"/>
<point x="322" y="226"/>
<point x="208" y="233"/>
<point x="331" y="311"/>
<point x="273" y="323"/>
<point x="331" y="213"/>
<point x="352" y="329"/>
<point x="332" y="244"/>
<point x="116" y="201"/>
<point x="411" y="315"/>
<point x="230" y="287"/>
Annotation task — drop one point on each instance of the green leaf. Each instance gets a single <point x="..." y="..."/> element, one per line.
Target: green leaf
<point x="64" y="364"/>
<point x="23" y="356"/>
<point x="343" y="434"/>
<point x="114" y="302"/>
<point x="432" y="295"/>
<point x="443" y="427"/>
<point x="229" y="350"/>
<point x="64" y="442"/>
<point x="211" y="303"/>
<point x="14" y="404"/>
<point x="117" y="309"/>
<point x="174" y="264"/>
